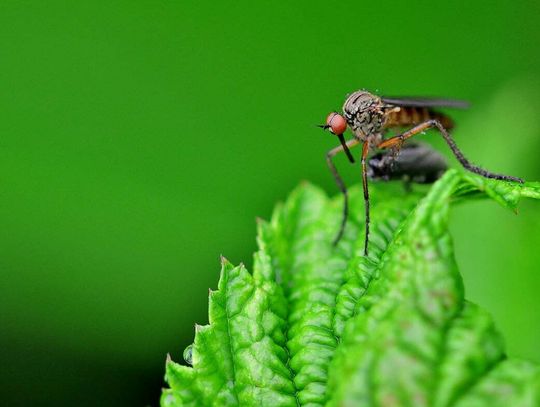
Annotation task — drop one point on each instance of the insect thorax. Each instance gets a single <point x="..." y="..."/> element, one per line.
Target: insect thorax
<point x="364" y="114"/>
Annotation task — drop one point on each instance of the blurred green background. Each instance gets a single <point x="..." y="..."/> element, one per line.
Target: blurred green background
<point x="139" y="140"/>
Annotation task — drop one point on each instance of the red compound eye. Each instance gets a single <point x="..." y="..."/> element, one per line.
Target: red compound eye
<point x="336" y="123"/>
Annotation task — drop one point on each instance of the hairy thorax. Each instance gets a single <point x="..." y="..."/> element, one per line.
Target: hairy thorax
<point x="365" y="115"/>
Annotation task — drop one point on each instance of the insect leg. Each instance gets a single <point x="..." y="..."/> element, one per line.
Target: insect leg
<point x="365" y="151"/>
<point x="340" y="184"/>
<point x="428" y="124"/>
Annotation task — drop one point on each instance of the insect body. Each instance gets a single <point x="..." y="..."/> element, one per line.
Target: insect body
<point x="369" y="117"/>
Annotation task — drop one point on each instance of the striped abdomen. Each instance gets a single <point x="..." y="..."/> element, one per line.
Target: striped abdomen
<point x="410" y="116"/>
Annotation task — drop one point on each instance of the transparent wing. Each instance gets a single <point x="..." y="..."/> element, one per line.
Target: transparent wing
<point x="426" y="102"/>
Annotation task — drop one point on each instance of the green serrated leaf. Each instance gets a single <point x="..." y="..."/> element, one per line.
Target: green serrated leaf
<point x="317" y="325"/>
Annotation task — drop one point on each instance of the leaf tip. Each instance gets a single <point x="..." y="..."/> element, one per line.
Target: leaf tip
<point x="223" y="260"/>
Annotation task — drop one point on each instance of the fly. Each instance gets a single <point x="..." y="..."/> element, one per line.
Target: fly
<point x="369" y="117"/>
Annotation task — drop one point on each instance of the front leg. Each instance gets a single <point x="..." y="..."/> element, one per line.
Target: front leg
<point x="340" y="183"/>
<point x="365" y="152"/>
